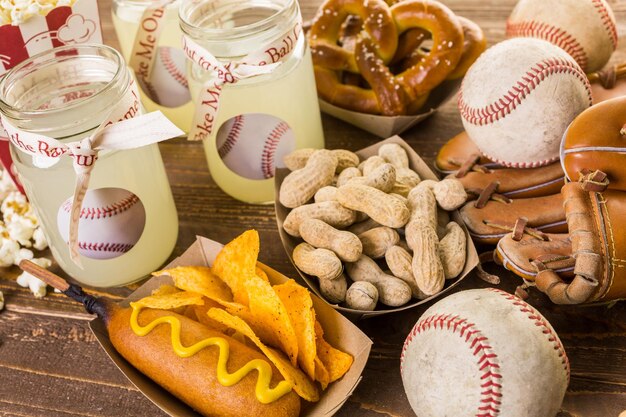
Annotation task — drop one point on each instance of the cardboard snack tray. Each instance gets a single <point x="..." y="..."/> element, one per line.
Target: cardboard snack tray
<point x="338" y="331"/>
<point x="385" y="126"/>
<point x="418" y="165"/>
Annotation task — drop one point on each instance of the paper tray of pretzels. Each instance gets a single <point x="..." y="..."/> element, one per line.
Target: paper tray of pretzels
<point x="386" y="66"/>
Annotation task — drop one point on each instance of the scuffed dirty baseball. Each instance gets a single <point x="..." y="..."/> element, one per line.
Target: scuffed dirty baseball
<point x="484" y="353"/>
<point x="585" y="29"/>
<point x="519" y="97"/>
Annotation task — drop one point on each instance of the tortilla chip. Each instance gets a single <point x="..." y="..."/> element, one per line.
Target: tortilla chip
<point x="165" y="289"/>
<point x="261" y="274"/>
<point x="321" y="374"/>
<point x="236" y="263"/>
<point x="337" y="363"/>
<point x="302" y="385"/>
<point x="190" y="312"/>
<point x="198" y="279"/>
<point x="299" y="305"/>
<point x="270" y="319"/>
<point x="201" y="314"/>
<point x="171" y="301"/>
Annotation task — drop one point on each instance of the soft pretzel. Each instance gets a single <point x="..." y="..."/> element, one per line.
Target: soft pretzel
<point x="338" y="49"/>
<point x="410" y="52"/>
<point x="351" y="97"/>
<point x="447" y="46"/>
<point x="377" y="23"/>
<point x="474" y="44"/>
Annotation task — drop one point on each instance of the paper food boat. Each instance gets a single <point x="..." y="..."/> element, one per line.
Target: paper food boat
<point x="385" y="126"/>
<point x="418" y="165"/>
<point x="338" y="331"/>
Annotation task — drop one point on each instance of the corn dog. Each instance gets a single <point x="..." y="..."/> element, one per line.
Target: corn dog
<point x="195" y="379"/>
<point x="213" y="373"/>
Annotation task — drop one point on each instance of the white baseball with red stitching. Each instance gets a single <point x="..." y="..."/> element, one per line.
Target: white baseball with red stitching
<point x="111" y="222"/>
<point x="519" y="97"/>
<point x="583" y="28"/>
<point x="484" y="353"/>
<point x="253" y="145"/>
<point x="168" y="81"/>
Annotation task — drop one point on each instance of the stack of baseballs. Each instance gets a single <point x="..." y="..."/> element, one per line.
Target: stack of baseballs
<point x="375" y="220"/>
<point x="518" y="98"/>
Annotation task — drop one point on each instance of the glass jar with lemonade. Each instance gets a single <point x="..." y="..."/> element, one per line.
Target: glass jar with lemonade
<point x="150" y="41"/>
<point x="127" y="224"/>
<point x="251" y="79"/>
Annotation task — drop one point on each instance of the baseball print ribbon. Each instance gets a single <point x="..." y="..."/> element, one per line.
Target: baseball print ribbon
<point x="260" y="62"/>
<point x="122" y="129"/>
<point x="146" y="43"/>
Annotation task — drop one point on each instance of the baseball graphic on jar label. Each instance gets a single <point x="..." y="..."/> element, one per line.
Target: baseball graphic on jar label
<point x="168" y="82"/>
<point x="111" y="222"/>
<point x="253" y="145"/>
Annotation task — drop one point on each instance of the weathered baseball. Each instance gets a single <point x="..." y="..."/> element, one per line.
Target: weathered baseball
<point x="253" y="145"/>
<point x="518" y="98"/>
<point x="168" y="82"/>
<point x="111" y="222"/>
<point x="585" y="29"/>
<point x="484" y="353"/>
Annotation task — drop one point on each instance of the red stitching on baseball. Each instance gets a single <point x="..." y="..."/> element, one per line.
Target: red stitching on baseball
<point x="150" y="91"/>
<point x="232" y="137"/>
<point x="171" y="67"/>
<point x="539" y="321"/>
<point x="111" y="210"/>
<point x="487" y="360"/>
<point x="269" y="149"/>
<point x="607" y="20"/>
<point x="522" y="164"/>
<point x="550" y="33"/>
<point x="501" y="107"/>
<point x="106" y="247"/>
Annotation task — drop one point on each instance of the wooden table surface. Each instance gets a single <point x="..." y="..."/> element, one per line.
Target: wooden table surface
<point x="52" y="366"/>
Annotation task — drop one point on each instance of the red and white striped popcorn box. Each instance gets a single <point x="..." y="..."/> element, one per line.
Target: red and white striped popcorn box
<point x="63" y="25"/>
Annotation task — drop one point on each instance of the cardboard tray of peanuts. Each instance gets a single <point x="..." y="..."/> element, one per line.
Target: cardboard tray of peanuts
<point x="425" y="173"/>
<point x="338" y="330"/>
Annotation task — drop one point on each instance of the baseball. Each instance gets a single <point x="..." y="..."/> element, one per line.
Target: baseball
<point x="585" y="29"/>
<point x="253" y="145"/>
<point x="485" y="353"/>
<point x="519" y="97"/>
<point x="111" y="222"/>
<point x="168" y="80"/>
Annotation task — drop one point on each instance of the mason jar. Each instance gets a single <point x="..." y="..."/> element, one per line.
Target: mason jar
<point x="150" y="29"/>
<point x="260" y="118"/>
<point x="128" y="222"/>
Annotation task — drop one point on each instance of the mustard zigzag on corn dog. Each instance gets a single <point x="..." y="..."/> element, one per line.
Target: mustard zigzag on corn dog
<point x="264" y="393"/>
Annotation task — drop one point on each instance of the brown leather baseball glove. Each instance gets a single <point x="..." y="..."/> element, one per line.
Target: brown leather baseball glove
<point x="493" y="215"/>
<point x="596" y="218"/>
<point x="460" y="158"/>
<point x="596" y="139"/>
